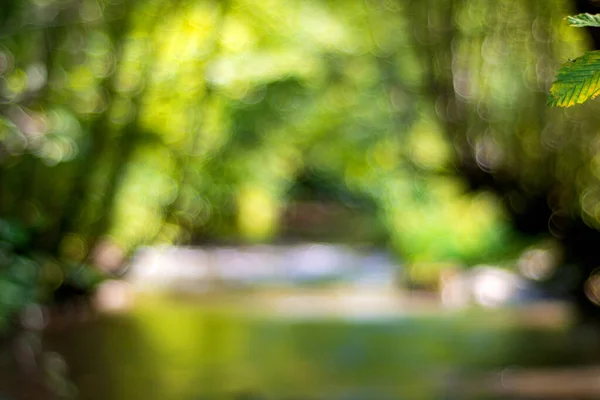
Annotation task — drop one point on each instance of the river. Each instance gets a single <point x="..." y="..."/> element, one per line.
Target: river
<point x="289" y="345"/>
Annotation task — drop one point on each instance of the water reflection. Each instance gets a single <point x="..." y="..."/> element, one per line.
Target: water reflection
<point x="303" y="321"/>
<point x="221" y="348"/>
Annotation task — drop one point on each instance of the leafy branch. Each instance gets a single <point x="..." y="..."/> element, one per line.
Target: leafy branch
<point x="578" y="80"/>
<point x="583" y="20"/>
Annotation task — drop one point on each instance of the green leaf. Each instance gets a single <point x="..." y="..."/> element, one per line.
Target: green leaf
<point x="581" y="20"/>
<point x="576" y="81"/>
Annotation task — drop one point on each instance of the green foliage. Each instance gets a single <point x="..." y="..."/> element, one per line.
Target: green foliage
<point x="29" y="276"/>
<point x="18" y="272"/>
<point x="582" y="20"/>
<point x="172" y="121"/>
<point x="133" y="122"/>
<point x="577" y="81"/>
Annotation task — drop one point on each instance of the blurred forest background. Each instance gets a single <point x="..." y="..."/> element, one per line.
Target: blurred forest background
<point x="420" y="125"/>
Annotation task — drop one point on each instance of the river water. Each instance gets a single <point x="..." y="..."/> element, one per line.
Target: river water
<point x="249" y="346"/>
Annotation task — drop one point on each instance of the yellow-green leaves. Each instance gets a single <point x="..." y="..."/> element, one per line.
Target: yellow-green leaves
<point x="581" y="20"/>
<point x="576" y="81"/>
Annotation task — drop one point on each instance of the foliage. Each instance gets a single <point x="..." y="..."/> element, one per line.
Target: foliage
<point x="170" y="121"/>
<point x="28" y="276"/>
<point x="578" y="80"/>
<point x="150" y="122"/>
<point x="582" y="20"/>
